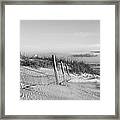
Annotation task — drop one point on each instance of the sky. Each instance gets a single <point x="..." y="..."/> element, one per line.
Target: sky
<point x="59" y="36"/>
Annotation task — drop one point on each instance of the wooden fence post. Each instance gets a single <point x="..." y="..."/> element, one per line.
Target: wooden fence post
<point x="55" y="68"/>
<point x="61" y="63"/>
<point x="63" y="72"/>
<point x="67" y="69"/>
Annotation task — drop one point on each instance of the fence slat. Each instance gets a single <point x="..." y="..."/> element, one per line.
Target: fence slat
<point x="55" y="68"/>
<point x="63" y="71"/>
<point x="67" y="69"/>
<point x="62" y="68"/>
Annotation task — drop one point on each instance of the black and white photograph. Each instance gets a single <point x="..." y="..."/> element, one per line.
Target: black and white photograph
<point x="60" y="60"/>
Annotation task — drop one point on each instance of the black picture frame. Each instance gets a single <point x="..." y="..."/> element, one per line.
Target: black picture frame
<point x="50" y="2"/>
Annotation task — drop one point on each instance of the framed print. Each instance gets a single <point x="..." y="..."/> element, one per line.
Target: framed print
<point x="60" y="60"/>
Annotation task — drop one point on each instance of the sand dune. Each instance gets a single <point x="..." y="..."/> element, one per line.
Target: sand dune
<point x="40" y="86"/>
